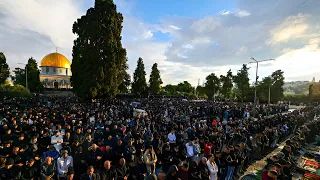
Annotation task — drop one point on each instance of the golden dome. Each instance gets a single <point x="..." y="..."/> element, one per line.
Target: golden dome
<point x="55" y="60"/>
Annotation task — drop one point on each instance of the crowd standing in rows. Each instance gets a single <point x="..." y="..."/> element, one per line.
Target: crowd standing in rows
<point x="61" y="138"/>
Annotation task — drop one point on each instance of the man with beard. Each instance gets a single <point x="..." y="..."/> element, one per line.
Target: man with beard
<point x="109" y="172"/>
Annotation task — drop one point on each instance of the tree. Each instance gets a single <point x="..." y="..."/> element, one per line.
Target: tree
<point x="19" y="76"/>
<point x="170" y="89"/>
<point x="277" y="88"/>
<point x="4" y="68"/>
<point x="241" y="81"/>
<point x="155" y="80"/>
<point x="139" y="84"/>
<point x="263" y="89"/>
<point x="34" y="84"/>
<point x="99" y="59"/>
<point x="124" y="86"/>
<point x="212" y="85"/>
<point x="185" y="88"/>
<point x="227" y="84"/>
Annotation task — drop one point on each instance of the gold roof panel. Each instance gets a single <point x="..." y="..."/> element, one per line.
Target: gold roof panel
<point x="55" y="60"/>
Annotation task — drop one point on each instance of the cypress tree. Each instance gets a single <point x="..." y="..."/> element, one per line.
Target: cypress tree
<point x="139" y="84"/>
<point x="4" y="68"/>
<point x="99" y="59"/>
<point x="155" y="80"/>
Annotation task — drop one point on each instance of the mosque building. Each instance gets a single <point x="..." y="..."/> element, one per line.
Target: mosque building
<point x="55" y="71"/>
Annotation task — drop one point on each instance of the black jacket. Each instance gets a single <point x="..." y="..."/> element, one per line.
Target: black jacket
<point x="108" y="175"/>
<point x="86" y="176"/>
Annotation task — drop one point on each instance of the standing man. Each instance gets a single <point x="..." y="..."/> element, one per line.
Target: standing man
<point x="48" y="170"/>
<point x="57" y="140"/>
<point x="65" y="166"/>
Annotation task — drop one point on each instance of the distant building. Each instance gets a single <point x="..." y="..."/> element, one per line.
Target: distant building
<point x="55" y="71"/>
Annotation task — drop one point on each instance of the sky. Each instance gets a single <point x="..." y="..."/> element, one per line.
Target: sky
<point x="188" y="39"/>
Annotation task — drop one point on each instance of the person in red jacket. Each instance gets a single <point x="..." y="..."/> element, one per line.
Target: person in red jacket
<point x="207" y="148"/>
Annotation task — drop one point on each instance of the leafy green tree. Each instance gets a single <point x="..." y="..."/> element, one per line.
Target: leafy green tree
<point x="33" y="72"/>
<point x="124" y="86"/>
<point x="242" y="84"/>
<point x="277" y="88"/>
<point x="139" y="84"/>
<point x="19" y="76"/>
<point x="263" y="89"/>
<point x="227" y="84"/>
<point x="201" y="91"/>
<point x="4" y="68"/>
<point x="170" y="89"/>
<point x="185" y="88"/>
<point x="155" y="80"/>
<point x="99" y="59"/>
<point x="212" y="85"/>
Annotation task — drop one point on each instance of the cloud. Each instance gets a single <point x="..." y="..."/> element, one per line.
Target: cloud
<point x="285" y="30"/>
<point x="242" y="13"/>
<point x="292" y="28"/>
<point x="35" y="28"/>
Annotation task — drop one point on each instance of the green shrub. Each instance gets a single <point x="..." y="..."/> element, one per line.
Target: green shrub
<point x="14" y="91"/>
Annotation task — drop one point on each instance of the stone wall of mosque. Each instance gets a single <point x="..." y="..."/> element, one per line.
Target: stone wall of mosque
<point x="55" y="71"/>
<point x="55" y="81"/>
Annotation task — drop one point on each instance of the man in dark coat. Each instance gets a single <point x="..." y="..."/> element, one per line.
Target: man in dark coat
<point x="90" y="175"/>
<point x="109" y="172"/>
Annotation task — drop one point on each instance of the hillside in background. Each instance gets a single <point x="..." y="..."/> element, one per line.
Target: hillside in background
<point x="296" y="87"/>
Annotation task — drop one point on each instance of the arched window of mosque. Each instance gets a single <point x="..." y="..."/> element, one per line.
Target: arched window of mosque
<point x="54" y="69"/>
<point x="60" y="71"/>
<point x="47" y="70"/>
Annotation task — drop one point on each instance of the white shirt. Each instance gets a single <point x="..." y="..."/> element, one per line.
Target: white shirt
<point x="54" y="142"/>
<point x="63" y="165"/>
<point x="213" y="169"/>
<point x="190" y="151"/>
<point x="172" y="138"/>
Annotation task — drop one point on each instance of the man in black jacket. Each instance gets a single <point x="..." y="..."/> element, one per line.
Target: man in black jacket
<point x="122" y="170"/>
<point x="90" y="175"/>
<point x="109" y="173"/>
<point x="10" y="171"/>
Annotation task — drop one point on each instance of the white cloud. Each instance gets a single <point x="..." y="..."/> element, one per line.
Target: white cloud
<point x="174" y="27"/>
<point x="286" y="30"/>
<point x="241" y="51"/>
<point x="292" y="28"/>
<point x="225" y="12"/>
<point x="242" y="13"/>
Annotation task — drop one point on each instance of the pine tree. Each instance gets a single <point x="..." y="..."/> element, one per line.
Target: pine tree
<point x="139" y="84"/>
<point x="99" y="59"/>
<point x="4" y="68"/>
<point x="155" y="80"/>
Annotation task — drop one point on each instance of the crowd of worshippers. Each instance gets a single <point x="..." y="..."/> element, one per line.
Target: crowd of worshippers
<point x="281" y="165"/>
<point x="61" y="138"/>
